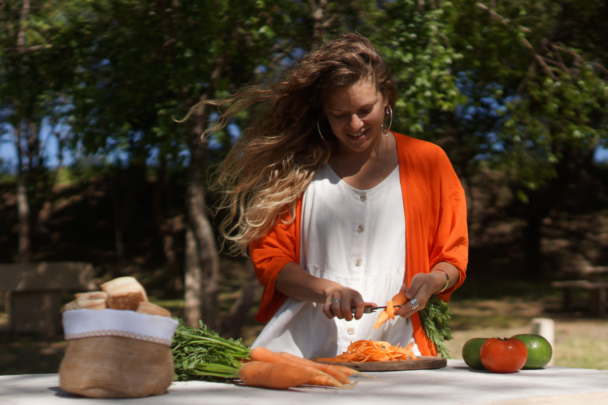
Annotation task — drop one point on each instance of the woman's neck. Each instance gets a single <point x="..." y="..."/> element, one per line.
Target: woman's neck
<point x="366" y="169"/>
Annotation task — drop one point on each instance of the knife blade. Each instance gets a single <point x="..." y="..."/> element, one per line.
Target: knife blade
<point x="370" y="310"/>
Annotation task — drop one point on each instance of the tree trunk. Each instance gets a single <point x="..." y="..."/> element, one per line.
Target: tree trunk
<point x="541" y="202"/>
<point x="247" y="297"/>
<point x="322" y="21"/>
<point x="23" y="206"/>
<point x="166" y="229"/>
<point x="118" y="228"/>
<point x="208" y="260"/>
<point x="532" y="245"/>
<point x="193" y="281"/>
<point x="202" y="229"/>
<point x="25" y="10"/>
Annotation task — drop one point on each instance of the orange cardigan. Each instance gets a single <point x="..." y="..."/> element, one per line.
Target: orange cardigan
<point x="436" y="229"/>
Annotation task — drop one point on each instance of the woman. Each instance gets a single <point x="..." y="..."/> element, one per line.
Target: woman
<point x="337" y="211"/>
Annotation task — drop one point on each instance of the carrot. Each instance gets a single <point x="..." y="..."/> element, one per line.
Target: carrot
<point x="398" y="299"/>
<point x="268" y="356"/>
<point x="390" y="310"/>
<point x="326" y="380"/>
<point x="349" y="371"/>
<point x="333" y="371"/>
<point x="265" y="355"/>
<point x="272" y="375"/>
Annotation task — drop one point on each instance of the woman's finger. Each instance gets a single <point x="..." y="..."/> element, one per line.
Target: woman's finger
<point x="346" y="308"/>
<point x="411" y="292"/>
<point x="360" y="308"/>
<point x="408" y="309"/>
<point x="327" y="307"/>
<point x="418" y="295"/>
<point x="355" y="301"/>
<point x="336" y="307"/>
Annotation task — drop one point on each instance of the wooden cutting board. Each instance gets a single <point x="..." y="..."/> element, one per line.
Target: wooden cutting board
<point x="423" y="363"/>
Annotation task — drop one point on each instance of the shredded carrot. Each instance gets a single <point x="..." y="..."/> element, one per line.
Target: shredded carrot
<point x="366" y="350"/>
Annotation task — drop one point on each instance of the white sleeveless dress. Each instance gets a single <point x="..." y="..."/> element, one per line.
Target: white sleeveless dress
<point x="355" y="238"/>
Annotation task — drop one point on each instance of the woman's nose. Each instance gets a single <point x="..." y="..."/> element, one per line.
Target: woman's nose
<point x="355" y="123"/>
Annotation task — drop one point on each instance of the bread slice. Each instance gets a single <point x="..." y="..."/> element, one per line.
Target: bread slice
<point x="124" y="293"/>
<point x="70" y="306"/>
<point x="92" y="304"/>
<point x="151" y="309"/>
<point x="94" y="295"/>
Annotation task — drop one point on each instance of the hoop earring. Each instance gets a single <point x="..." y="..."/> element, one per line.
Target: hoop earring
<point x="385" y="131"/>
<point x="319" y="129"/>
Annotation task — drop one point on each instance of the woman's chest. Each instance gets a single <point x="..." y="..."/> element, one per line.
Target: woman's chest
<point x="350" y="232"/>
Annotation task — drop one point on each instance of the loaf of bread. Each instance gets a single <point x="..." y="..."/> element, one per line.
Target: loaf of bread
<point x="124" y="293"/>
<point x="151" y="309"/>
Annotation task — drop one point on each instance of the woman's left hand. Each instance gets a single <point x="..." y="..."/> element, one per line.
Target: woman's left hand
<point x="422" y="287"/>
<point x="426" y="284"/>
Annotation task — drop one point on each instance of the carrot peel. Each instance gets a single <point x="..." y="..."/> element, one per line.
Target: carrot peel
<point x="398" y="299"/>
<point x="390" y="310"/>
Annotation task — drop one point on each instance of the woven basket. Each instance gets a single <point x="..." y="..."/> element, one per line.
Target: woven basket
<point x="116" y="367"/>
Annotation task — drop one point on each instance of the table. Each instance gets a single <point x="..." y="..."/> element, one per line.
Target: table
<point x="455" y="384"/>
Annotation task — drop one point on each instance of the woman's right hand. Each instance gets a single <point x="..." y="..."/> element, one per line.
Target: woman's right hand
<point x="295" y="282"/>
<point x="340" y="300"/>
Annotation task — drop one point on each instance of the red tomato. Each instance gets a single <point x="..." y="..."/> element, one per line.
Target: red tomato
<point x="503" y="355"/>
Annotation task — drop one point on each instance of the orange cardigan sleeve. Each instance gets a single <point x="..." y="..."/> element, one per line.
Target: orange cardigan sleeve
<point x="451" y="242"/>
<point x="269" y="255"/>
<point x="435" y="217"/>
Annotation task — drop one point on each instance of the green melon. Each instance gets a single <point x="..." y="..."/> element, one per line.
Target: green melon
<point x="470" y="353"/>
<point x="539" y="350"/>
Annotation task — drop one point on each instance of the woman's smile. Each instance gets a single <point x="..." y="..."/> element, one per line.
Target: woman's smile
<point x="359" y="135"/>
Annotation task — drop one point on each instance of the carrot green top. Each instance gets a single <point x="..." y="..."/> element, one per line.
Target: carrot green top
<point x="436" y="231"/>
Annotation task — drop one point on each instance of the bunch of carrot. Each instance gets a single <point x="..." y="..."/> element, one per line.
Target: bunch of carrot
<point x="367" y="350"/>
<point x="268" y="369"/>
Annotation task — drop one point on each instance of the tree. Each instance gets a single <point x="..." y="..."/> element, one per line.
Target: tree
<point x="549" y="98"/>
<point x="139" y="65"/>
<point x="29" y="72"/>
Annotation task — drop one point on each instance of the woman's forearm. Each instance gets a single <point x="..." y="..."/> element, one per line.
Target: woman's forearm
<point x="295" y="282"/>
<point x="440" y="278"/>
<point x="337" y="300"/>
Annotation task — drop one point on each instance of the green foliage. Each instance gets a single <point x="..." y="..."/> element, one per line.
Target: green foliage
<point x="416" y="45"/>
<point x="201" y="354"/>
<point x="435" y="319"/>
<point x="561" y="102"/>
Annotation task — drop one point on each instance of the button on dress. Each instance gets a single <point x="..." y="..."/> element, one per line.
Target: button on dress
<point x="357" y="239"/>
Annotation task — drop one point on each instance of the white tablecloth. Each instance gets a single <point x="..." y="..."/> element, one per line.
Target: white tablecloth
<point x="455" y="384"/>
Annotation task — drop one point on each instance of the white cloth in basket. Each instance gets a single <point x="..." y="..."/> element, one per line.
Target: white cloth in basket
<point x="85" y="323"/>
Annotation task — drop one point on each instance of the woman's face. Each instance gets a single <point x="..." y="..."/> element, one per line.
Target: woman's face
<point x="355" y="115"/>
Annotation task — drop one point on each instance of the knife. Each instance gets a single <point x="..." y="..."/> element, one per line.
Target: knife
<point x="369" y="309"/>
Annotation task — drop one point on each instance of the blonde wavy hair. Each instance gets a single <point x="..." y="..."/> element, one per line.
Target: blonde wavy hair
<point x="275" y="158"/>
